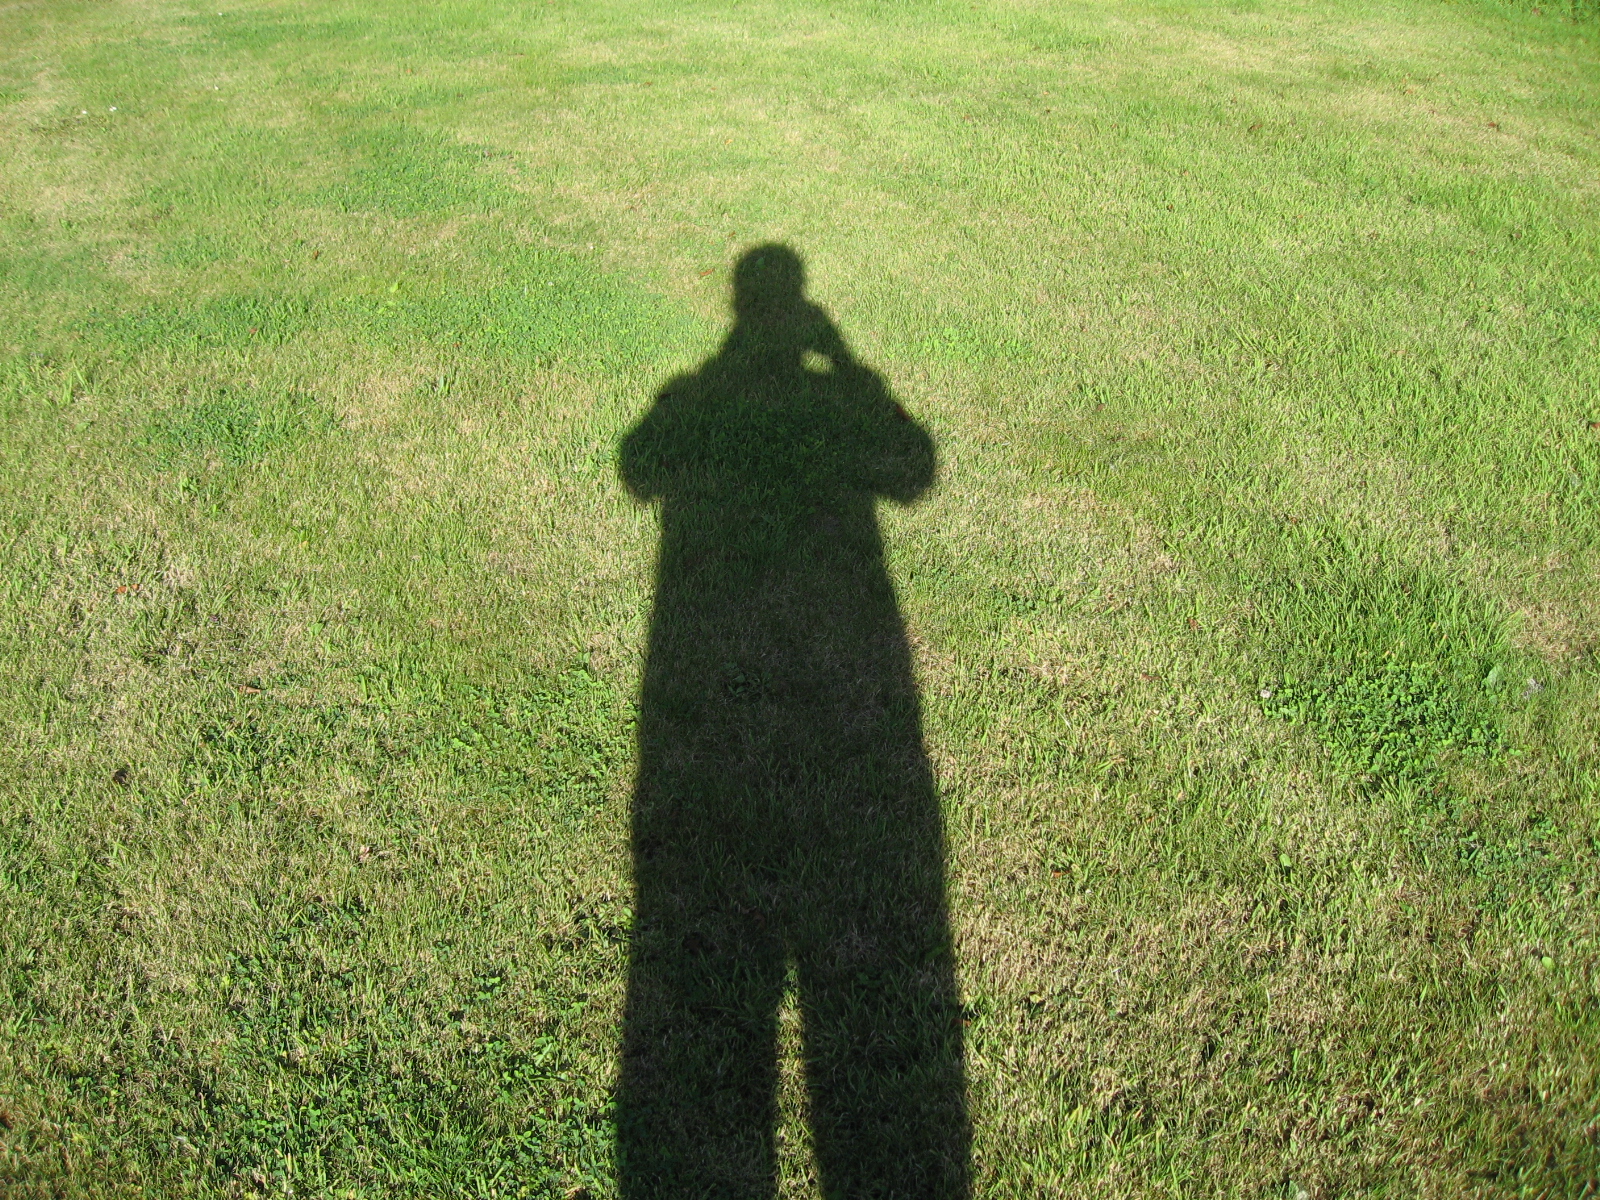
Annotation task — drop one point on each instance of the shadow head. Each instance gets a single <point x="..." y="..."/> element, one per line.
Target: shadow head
<point x="769" y="286"/>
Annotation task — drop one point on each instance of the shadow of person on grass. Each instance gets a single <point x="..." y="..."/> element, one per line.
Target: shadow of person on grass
<point x="786" y="829"/>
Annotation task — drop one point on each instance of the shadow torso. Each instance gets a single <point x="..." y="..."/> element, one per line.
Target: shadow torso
<point x="773" y="607"/>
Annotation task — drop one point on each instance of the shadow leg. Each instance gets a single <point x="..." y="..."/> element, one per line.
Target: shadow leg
<point x="696" y="1104"/>
<point x="882" y="1017"/>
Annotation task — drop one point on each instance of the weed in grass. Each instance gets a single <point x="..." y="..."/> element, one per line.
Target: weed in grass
<point x="400" y="170"/>
<point x="232" y="321"/>
<point x="1390" y="724"/>
<point x="231" y="426"/>
<point x="1387" y="667"/>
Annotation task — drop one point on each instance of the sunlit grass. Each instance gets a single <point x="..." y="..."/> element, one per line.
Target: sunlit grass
<point x="1259" y="345"/>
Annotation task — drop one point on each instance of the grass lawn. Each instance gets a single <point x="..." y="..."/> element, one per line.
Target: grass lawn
<point x="1092" y="691"/>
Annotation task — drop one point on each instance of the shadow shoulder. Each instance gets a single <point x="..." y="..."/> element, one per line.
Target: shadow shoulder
<point x="664" y="436"/>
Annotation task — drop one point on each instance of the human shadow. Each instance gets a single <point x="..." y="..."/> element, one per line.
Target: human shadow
<point x="786" y="829"/>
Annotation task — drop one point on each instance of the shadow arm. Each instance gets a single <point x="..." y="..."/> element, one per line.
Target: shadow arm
<point x="899" y="460"/>
<point x="645" y="457"/>
<point x="908" y="462"/>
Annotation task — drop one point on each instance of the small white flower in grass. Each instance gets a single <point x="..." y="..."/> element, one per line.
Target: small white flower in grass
<point x="113" y="108"/>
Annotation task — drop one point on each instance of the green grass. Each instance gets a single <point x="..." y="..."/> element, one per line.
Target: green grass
<point x="1252" y="612"/>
